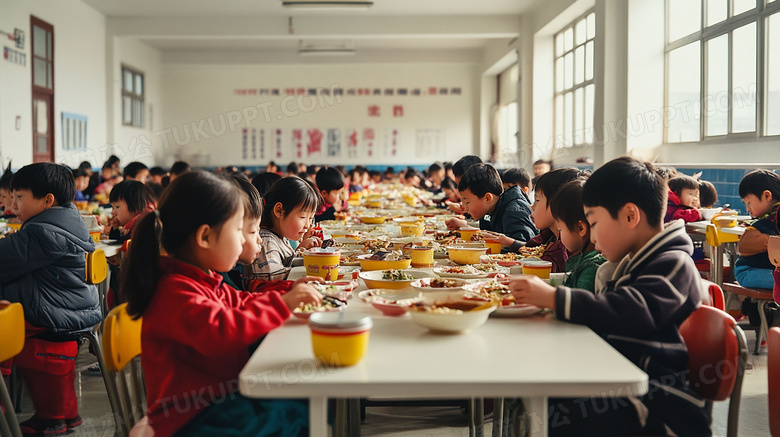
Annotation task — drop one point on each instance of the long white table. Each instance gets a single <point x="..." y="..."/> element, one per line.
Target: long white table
<point x="532" y="358"/>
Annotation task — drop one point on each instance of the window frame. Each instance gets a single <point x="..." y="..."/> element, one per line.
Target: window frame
<point x="135" y="98"/>
<point x="559" y="141"/>
<point x="758" y="15"/>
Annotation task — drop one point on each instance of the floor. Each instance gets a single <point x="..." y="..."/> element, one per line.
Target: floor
<point x="425" y="421"/>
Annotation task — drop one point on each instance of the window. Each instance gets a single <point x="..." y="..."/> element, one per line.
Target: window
<point x="720" y="69"/>
<point x="574" y="87"/>
<point x="506" y="115"/>
<point x="132" y="97"/>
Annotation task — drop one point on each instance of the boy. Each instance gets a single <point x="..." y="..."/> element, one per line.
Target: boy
<point x="516" y="176"/>
<point x="81" y="179"/>
<point x="654" y="288"/>
<point x="683" y="199"/>
<point x="156" y="175"/>
<point x="136" y="171"/>
<point x="5" y="193"/>
<point x="330" y="184"/>
<point x="180" y="167"/>
<point x="760" y="190"/>
<point x="506" y="212"/>
<point x="43" y="268"/>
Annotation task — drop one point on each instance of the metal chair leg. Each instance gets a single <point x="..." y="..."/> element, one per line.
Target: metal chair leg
<point x="111" y="387"/>
<point x="498" y="416"/>
<point x="353" y="417"/>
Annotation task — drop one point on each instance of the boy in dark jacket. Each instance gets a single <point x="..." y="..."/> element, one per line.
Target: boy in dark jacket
<point x="653" y="289"/>
<point x="760" y="190"/>
<point x="43" y="268"/>
<point x="506" y="212"/>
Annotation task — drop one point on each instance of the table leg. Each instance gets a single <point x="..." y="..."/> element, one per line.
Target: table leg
<point x="498" y="416"/>
<point x="479" y="418"/>
<point x="716" y="266"/>
<point x="536" y="409"/>
<point x="318" y="416"/>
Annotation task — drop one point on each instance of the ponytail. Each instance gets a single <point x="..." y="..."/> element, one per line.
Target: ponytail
<point x="141" y="266"/>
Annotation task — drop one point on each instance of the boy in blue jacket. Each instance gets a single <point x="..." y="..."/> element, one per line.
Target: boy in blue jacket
<point x="43" y="268"/>
<point x="653" y="289"/>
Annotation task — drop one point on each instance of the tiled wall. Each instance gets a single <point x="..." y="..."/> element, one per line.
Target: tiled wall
<point x="726" y="181"/>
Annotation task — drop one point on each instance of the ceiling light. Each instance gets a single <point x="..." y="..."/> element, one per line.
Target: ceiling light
<point x="328" y="3"/>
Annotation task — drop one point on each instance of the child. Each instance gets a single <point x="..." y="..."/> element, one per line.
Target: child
<point x="288" y="209"/>
<point x="506" y="212"/>
<point x="707" y="194"/>
<point x="653" y="290"/>
<point x="760" y="190"/>
<point x="191" y="366"/>
<point x="516" y="176"/>
<point x="136" y="171"/>
<point x="6" y="199"/>
<point x="129" y="201"/>
<point x="683" y="199"/>
<point x="43" y="267"/>
<point x="82" y="182"/>
<point x="566" y="209"/>
<point x="263" y="181"/>
<point x="330" y="184"/>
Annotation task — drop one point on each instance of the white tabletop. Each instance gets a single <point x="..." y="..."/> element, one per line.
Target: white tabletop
<point x="701" y="226"/>
<point x="109" y="249"/>
<point x="533" y="358"/>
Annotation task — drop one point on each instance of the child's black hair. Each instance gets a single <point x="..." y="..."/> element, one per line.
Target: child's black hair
<point x="463" y="164"/>
<point x="292" y="168"/>
<point x="519" y="176"/>
<point x="550" y="182"/>
<point x="291" y="192"/>
<point x="264" y="181"/>
<point x="5" y="180"/>
<point x="79" y="173"/>
<point x="179" y="167"/>
<point x="680" y="182"/>
<point x="131" y="170"/>
<point x="625" y="180"/>
<point x="179" y="216"/>
<point x="708" y="195"/>
<point x="758" y="181"/>
<point x="448" y="184"/>
<point x="328" y="179"/>
<point x="253" y="203"/>
<point x="390" y="170"/>
<point x="666" y="172"/>
<point x="566" y="206"/>
<point x="434" y="168"/>
<point x="86" y="166"/>
<point x="136" y="195"/>
<point x="43" y="178"/>
<point x="157" y="171"/>
<point x="481" y="179"/>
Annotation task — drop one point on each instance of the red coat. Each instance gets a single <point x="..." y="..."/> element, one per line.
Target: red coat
<point x="674" y="210"/>
<point x="195" y="338"/>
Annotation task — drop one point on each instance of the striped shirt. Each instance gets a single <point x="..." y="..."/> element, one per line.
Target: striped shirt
<point x="274" y="261"/>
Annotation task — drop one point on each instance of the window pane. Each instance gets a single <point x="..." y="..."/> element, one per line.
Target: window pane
<point x="589" y="104"/>
<point x="42" y="145"/>
<point x="743" y="79"/>
<point x="558" y="120"/>
<point x="568" y="110"/>
<point x="127" y="80"/>
<point x="773" y="76"/>
<point x="558" y="45"/>
<point x="559" y="75"/>
<point x="127" y="110"/>
<point x="41" y="117"/>
<point x="716" y="11"/>
<point x="49" y="47"/>
<point x="579" y="64"/>
<point x="49" y="76"/>
<point x="139" y="84"/>
<point x="591" y="25"/>
<point x="741" y="6"/>
<point x="589" y="60"/>
<point x="568" y="39"/>
<point x="39" y="72"/>
<point x="568" y="66"/>
<point x="579" y="115"/>
<point x="579" y="32"/>
<point x="684" y="18"/>
<point x="138" y="113"/>
<point x="39" y="42"/>
<point x="684" y="94"/>
<point x="717" y="98"/>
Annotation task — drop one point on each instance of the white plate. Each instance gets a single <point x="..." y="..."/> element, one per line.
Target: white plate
<point x="441" y="271"/>
<point x="517" y="311"/>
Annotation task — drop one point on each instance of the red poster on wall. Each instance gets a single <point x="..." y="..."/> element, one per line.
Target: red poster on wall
<point x="314" y="145"/>
<point x="297" y="136"/>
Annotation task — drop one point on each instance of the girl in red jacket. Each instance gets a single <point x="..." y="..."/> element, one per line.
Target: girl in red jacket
<point x="197" y="331"/>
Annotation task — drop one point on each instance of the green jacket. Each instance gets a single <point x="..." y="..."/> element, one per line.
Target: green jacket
<point x="581" y="269"/>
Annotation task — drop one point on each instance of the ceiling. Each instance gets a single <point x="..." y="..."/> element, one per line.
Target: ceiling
<point x="386" y="31"/>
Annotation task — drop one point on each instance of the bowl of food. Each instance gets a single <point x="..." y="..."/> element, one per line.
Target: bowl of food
<point x="451" y="317"/>
<point x="466" y="254"/>
<point x="440" y="289"/>
<point x="466" y="232"/>
<point x="390" y="302"/>
<point x="304" y="311"/>
<point x="373" y="219"/>
<point x="370" y="262"/>
<point x="394" y="279"/>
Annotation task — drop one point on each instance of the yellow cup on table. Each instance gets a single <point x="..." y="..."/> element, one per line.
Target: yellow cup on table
<point x="323" y="263"/>
<point x="422" y="256"/>
<point x="537" y="268"/>
<point x="339" y="338"/>
<point x="493" y="245"/>
<point x="466" y="232"/>
<point x="412" y="230"/>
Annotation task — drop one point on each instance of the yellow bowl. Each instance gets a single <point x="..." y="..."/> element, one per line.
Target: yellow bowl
<point x="408" y="230"/>
<point x="537" y="268"/>
<point x="467" y="232"/>
<point x="374" y="279"/>
<point x="422" y="256"/>
<point x="95" y="236"/>
<point x="466" y="255"/>
<point x="16" y="226"/>
<point x="322" y="264"/>
<point x="373" y="220"/>
<point x="410" y="200"/>
<point x="371" y="264"/>
<point x="339" y="339"/>
<point x="493" y="246"/>
<point x="374" y="204"/>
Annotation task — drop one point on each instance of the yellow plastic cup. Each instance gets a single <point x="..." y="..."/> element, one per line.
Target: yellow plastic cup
<point x="422" y="256"/>
<point x="410" y="200"/>
<point x="467" y="232"/>
<point x="537" y="268"/>
<point x="81" y="205"/>
<point x="412" y="230"/>
<point x="324" y="264"/>
<point x="339" y="339"/>
<point x="493" y="246"/>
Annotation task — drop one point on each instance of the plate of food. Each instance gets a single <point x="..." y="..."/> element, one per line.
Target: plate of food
<point x="339" y="289"/>
<point x="503" y="259"/>
<point x="304" y="311"/>
<point x="461" y="272"/>
<point x="392" y="278"/>
<point x="498" y="291"/>
<point x="390" y="302"/>
<point x="451" y="317"/>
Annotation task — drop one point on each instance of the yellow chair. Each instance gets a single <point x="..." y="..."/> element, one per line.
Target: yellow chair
<point x="121" y="345"/>
<point x="12" y="335"/>
<point x="97" y="267"/>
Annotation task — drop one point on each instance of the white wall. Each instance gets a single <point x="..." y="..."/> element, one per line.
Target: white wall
<point x="200" y="102"/>
<point x="79" y="79"/>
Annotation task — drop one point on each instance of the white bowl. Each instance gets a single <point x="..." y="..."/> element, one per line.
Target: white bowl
<point x="451" y="322"/>
<point x="707" y="213"/>
<point x="373" y="279"/>
<point x="433" y="295"/>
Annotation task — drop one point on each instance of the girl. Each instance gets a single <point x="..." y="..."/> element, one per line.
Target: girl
<point x="5" y="193"/>
<point x="191" y="364"/>
<point x="129" y="201"/>
<point x="288" y="211"/>
<point x="567" y="211"/>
